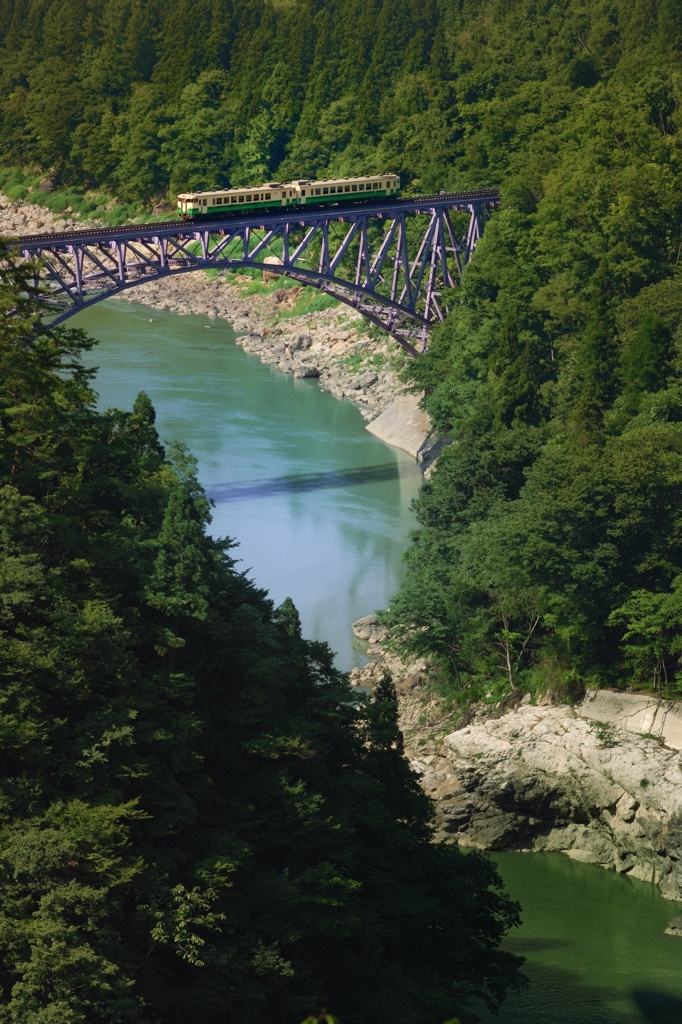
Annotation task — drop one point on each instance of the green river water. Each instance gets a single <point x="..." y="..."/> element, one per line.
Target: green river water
<point x="320" y="507"/>
<point x="321" y="510"/>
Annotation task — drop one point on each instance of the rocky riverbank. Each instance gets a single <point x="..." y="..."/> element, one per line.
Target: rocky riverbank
<point x="20" y="218"/>
<point x="545" y="777"/>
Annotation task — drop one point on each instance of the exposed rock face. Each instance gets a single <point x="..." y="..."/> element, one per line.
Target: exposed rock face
<point x="368" y="628"/>
<point x="403" y="424"/>
<point x="674" y="926"/>
<point x="543" y="778"/>
<point x="640" y="713"/>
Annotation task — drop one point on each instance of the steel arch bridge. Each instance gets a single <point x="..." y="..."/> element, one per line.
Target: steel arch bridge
<point x="391" y="260"/>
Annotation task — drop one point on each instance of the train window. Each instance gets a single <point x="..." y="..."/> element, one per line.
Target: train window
<point x="354" y="188"/>
<point x="317" y="191"/>
<point x="234" y="199"/>
<point x="333" y="190"/>
<point x="241" y="199"/>
<point x="302" y="191"/>
<point x="325" y="191"/>
<point x="248" y="199"/>
<point x="346" y="188"/>
<point x="267" y="195"/>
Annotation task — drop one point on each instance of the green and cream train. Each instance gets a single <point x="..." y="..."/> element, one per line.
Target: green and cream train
<point x="304" y="192"/>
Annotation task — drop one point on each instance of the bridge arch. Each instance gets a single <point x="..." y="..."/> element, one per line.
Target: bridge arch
<point x="391" y="261"/>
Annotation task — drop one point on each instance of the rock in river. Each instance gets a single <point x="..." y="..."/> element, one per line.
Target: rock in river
<point x="368" y="628"/>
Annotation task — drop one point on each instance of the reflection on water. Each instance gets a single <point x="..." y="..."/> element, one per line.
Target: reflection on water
<point x="320" y="508"/>
<point x="590" y="938"/>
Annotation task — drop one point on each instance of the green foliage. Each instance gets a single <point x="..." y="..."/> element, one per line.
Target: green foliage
<point x="310" y="300"/>
<point x="549" y="554"/>
<point x="144" y="98"/>
<point x="199" y="822"/>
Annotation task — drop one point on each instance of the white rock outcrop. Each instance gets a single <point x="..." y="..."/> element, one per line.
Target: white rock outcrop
<point x="545" y="778"/>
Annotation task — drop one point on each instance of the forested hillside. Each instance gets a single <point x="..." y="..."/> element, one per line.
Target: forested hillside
<point x="147" y="95"/>
<point x="200" y="822"/>
<point x="551" y="548"/>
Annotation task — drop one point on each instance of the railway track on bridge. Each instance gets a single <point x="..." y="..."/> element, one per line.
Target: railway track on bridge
<point x="124" y="230"/>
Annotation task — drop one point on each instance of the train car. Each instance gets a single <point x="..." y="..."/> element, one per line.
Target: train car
<point x="274" y="194"/>
<point x="334" y="190"/>
<point x="233" y="200"/>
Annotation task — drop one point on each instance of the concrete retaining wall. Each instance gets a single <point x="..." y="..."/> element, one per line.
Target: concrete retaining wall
<point x="635" y="712"/>
<point x="403" y="424"/>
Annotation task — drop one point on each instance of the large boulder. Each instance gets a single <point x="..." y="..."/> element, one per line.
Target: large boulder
<point x="368" y="628"/>
<point x="543" y="778"/>
<point x="365" y="380"/>
<point x="299" y="342"/>
<point x="306" y="370"/>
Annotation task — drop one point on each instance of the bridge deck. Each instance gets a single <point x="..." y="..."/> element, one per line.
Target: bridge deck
<point x="380" y="208"/>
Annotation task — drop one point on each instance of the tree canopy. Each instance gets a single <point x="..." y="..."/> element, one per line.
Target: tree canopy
<point x="146" y="96"/>
<point x="199" y="820"/>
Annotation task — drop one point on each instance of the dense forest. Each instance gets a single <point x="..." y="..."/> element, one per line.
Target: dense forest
<point x="551" y="547"/>
<point x="200" y="822"/>
<point x="551" y="550"/>
<point x="147" y="96"/>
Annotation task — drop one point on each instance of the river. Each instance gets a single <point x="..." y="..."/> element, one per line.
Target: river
<point x="321" y="510"/>
<point x="590" y="937"/>
<point x="320" y="507"/>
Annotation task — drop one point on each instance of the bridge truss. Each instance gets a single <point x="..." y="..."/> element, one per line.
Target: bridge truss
<point x="393" y="260"/>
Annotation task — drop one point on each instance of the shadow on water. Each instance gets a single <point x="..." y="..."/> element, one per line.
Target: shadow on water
<point x="658" y="1007"/>
<point x="558" y="997"/>
<point x="521" y="946"/>
<point x="301" y="482"/>
<point x="595" y="945"/>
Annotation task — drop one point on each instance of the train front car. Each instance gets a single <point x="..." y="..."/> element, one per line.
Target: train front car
<point x="189" y="204"/>
<point x="237" y="200"/>
<point x="342" y="190"/>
